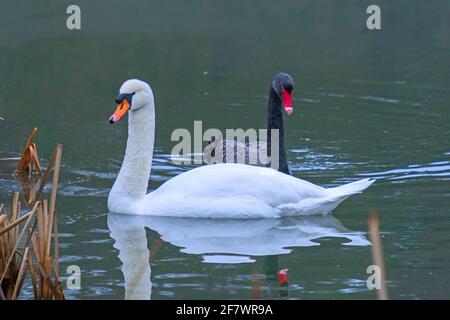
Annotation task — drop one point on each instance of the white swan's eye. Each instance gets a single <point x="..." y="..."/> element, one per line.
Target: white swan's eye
<point x="124" y="96"/>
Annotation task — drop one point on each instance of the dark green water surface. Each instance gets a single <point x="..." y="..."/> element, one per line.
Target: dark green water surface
<point x="367" y="104"/>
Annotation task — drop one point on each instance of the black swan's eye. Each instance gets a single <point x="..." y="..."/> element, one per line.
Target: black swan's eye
<point x="288" y="87"/>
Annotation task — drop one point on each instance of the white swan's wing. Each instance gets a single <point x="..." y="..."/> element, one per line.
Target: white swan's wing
<point x="241" y="180"/>
<point x="229" y="191"/>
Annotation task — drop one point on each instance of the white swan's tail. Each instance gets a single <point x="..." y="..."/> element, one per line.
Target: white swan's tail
<point x="350" y="188"/>
<point x="326" y="203"/>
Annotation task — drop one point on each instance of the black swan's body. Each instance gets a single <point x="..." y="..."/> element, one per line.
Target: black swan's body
<point x="223" y="151"/>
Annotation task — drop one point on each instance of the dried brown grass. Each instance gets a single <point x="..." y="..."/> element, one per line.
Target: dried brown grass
<point x="26" y="240"/>
<point x="377" y="253"/>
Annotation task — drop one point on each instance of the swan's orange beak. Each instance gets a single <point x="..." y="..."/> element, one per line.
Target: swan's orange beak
<point x="287" y="101"/>
<point x="122" y="108"/>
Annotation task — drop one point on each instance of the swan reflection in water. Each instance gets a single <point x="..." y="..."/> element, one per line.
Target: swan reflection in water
<point x="217" y="241"/>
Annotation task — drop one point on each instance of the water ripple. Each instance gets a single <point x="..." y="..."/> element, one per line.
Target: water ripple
<point x="434" y="169"/>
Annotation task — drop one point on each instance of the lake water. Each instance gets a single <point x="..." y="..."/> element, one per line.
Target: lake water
<point x="367" y="104"/>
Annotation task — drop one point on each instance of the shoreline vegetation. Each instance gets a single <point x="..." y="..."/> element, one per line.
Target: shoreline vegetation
<point x="29" y="241"/>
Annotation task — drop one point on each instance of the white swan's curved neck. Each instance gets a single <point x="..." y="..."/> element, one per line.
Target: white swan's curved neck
<point x="132" y="181"/>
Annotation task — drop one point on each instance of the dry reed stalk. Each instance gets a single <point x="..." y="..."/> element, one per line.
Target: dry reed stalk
<point x="15" y="211"/>
<point x="10" y="262"/>
<point x="17" y="221"/>
<point x="29" y="161"/>
<point x="377" y="253"/>
<point x="20" y="275"/>
<point x="35" y="159"/>
<point x="3" y="223"/>
<point x="29" y="171"/>
<point x="56" y="246"/>
<point x="48" y="288"/>
<point x="32" y="273"/>
<point x="36" y="248"/>
<point x="57" y="166"/>
<point x="10" y="250"/>
<point x="32" y="191"/>
<point x="28" y="189"/>
<point x="52" y="220"/>
<point x="54" y="162"/>
<point x="256" y="284"/>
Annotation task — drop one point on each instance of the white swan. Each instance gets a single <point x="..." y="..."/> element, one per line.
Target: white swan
<point x="214" y="191"/>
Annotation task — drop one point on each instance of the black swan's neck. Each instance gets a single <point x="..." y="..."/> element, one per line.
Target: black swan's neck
<point x="275" y="121"/>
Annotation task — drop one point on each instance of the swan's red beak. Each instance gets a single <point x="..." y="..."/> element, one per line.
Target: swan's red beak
<point x="286" y="97"/>
<point x="122" y="108"/>
<point x="283" y="275"/>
